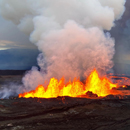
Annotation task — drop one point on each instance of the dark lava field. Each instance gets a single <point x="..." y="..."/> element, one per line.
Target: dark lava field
<point x="63" y="113"/>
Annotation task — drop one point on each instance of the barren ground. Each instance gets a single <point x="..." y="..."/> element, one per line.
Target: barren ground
<point x="63" y="113"/>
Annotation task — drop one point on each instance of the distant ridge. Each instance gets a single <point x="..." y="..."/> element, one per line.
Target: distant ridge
<point x="12" y="72"/>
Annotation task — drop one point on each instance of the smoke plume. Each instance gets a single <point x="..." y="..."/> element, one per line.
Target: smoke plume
<point x="69" y="33"/>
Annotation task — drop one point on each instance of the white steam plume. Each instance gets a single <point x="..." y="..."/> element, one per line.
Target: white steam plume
<point x="68" y="32"/>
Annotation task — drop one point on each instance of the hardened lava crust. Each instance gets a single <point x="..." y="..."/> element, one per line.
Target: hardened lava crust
<point x="111" y="112"/>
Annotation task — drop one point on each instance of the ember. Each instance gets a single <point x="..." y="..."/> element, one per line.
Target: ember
<point x="100" y="86"/>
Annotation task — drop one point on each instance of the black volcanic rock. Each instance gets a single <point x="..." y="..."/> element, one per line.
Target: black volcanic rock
<point x="64" y="113"/>
<point x="91" y="94"/>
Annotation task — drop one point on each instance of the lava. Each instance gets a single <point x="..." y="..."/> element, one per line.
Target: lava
<point x="101" y="86"/>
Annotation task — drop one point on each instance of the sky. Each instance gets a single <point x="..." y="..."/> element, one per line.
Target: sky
<point x="121" y="35"/>
<point x="17" y="52"/>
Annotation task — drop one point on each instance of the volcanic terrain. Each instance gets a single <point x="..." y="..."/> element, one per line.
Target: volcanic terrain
<point x="67" y="113"/>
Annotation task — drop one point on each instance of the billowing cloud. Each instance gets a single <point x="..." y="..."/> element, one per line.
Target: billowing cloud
<point x="69" y="34"/>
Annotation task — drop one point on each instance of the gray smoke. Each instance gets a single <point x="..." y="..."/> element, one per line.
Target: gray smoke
<point x="9" y="90"/>
<point x="69" y="33"/>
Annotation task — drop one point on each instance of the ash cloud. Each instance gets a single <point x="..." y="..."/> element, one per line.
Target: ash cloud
<point x="69" y="33"/>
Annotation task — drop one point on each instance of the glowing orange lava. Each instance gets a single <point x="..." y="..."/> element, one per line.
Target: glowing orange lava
<point x="100" y="86"/>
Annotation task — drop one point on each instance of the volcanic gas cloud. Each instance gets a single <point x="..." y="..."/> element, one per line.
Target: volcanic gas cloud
<point x="70" y="35"/>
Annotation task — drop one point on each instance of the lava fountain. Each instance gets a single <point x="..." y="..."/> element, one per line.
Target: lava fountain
<point x="71" y="38"/>
<point x="101" y="86"/>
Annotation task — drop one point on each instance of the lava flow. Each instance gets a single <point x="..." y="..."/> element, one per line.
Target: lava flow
<point x="100" y="86"/>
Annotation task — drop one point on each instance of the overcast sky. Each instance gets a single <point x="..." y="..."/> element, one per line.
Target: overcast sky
<point x="12" y="39"/>
<point x="16" y="51"/>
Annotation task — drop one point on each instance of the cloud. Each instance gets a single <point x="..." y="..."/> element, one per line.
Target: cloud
<point x="2" y="42"/>
<point x="11" y="37"/>
<point x="69" y="33"/>
<point x="5" y="44"/>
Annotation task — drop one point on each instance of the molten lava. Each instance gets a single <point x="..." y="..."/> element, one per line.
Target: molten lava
<point x="95" y="84"/>
<point x="99" y="86"/>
